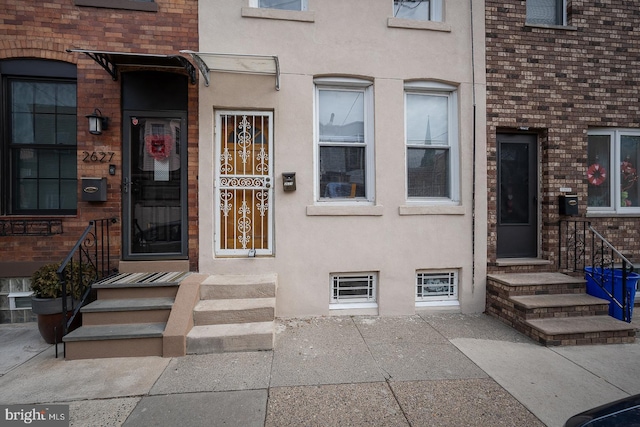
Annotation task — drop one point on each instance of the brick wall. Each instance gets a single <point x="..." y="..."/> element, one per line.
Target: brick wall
<point x="45" y="29"/>
<point x="558" y="83"/>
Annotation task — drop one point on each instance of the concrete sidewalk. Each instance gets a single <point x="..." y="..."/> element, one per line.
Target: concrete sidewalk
<point x="423" y="370"/>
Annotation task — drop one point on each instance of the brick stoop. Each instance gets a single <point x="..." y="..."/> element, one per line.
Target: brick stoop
<point x="554" y="309"/>
<point x="128" y="318"/>
<point x="235" y="313"/>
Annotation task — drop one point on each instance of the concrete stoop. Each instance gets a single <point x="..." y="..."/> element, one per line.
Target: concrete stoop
<point x="235" y="313"/>
<point x="127" y="319"/>
<point x="554" y="309"/>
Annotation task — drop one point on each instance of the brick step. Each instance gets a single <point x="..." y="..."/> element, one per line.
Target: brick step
<point x="227" y="311"/>
<point x="123" y="311"/>
<point x="239" y="286"/>
<point x="512" y="284"/>
<point x="126" y="340"/>
<point x="230" y="338"/>
<point x="559" y="305"/>
<point x="580" y="330"/>
<point x="140" y="285"/>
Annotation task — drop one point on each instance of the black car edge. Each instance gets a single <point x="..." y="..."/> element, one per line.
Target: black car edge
<point x="624" y="412"/>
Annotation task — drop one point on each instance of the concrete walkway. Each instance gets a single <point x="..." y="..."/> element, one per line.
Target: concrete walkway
<point x="423" y="370"/>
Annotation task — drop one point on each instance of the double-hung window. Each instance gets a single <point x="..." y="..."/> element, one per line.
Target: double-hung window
<point x="431" y="139"/>
<point x="344" y="140"/>
<point x="280" y="4"/>
<point x="39" y="166"/>
<point x="420" y="10"/>
<point x="546" y="12"/>
<point x="612" y="171"/>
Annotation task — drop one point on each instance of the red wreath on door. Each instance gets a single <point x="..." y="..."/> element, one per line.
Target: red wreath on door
<point x="159" y="146"/>
<point x="596" y="174"/>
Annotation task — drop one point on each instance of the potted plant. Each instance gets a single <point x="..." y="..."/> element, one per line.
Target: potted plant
<point x="46" y="301"/>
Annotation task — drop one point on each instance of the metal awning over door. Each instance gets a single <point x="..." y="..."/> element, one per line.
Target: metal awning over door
<point x="111" y="61"/>
<point x="235" y="63"/>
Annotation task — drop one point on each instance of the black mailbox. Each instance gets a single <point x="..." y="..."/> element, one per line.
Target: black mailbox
<point x="289" y="181"/>
<point x="94" y="189"/>
<point x="569" y="204"/>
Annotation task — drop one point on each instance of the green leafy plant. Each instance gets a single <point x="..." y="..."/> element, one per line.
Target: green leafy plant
<point x="45" y="282"/>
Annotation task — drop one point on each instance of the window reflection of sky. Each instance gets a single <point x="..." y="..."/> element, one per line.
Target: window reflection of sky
<point x="341" y="115"/>
<point x="427" y="121"/>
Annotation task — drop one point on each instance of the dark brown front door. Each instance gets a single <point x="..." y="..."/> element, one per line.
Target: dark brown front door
<point x="517" y="196"/>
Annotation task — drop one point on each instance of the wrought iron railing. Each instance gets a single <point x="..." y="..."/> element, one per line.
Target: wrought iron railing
<point x="87" y="262"/>
<point x="583" y="250"/>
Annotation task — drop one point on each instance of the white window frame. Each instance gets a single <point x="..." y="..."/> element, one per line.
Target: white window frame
<point x="613" y="175"/>
<point x="451" y="92"/>
<point x="563" y="18"/>
<point x="256" y="4"/>
<point x="451" y="278"/>
<point x="366" y="88"/>
<point x="435" y="10"/>
<point x="369" y="301"/>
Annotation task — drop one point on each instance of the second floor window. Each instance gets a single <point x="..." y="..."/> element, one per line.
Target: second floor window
<point x="281" y="4"/>
<point x="420" y="10"/>
<point x="546" y="12"/>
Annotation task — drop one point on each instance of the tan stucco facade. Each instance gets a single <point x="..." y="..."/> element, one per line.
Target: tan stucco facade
<point x="389" y="236"/>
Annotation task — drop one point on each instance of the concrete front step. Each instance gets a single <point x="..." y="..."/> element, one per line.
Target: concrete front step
<point x="126" y="340"/>
<point x="230" y="338"/>
<point x="581" y="330"/>
<point x="239" y="286"/>
<point x="228" y="311"/>
<point x="123" y="311"/>
<point x="559" y="305"/>
<point x="554" y="309"/>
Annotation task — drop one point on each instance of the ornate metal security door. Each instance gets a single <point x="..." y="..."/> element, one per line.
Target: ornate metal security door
<point x="244" y="192"/>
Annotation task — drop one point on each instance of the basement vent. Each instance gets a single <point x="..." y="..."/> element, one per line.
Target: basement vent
<point x="20" y="300"/>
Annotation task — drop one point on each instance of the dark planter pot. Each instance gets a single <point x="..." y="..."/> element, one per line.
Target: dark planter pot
<point x="50" y="323"/>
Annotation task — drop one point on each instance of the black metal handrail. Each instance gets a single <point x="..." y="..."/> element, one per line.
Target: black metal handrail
<point x="87" y="262"/>
<point x="582" y="249"/>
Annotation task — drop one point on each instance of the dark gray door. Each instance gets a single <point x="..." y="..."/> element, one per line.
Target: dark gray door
<point x="517" y="196"/>
<point x="154" y="186"/>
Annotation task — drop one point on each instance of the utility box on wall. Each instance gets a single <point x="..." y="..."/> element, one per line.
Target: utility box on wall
<point x="568" y="204"/>
<point x="94" y="189"/>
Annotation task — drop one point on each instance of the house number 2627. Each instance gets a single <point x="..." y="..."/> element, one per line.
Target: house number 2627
<point x="97" y="156"/>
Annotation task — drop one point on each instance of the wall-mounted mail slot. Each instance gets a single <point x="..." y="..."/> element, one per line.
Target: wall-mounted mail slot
<point x="94" y="189"/>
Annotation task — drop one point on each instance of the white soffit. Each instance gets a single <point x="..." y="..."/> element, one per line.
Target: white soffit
<point x="235" y="63"/>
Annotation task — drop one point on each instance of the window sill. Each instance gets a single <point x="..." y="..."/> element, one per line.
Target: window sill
<point x="418" y="25"/>
<point x="441" y="303"/>
<point x="283" y="15"/>
<point x="354" y="309"/>
<point x="345" y="210"/>
<point x="612" y="214"/>
<point x="144" y="6"/>
<point x="552" y="27"/>
<point x="431" y="210"/>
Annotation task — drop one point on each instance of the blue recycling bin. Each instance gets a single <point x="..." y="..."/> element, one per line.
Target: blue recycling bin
<point x="613" y="284"/>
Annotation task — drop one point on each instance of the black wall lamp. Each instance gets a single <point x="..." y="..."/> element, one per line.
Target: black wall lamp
<point x="97" y="123"/>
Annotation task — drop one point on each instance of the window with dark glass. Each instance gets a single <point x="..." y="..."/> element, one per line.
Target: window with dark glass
<point x="546" y="12"/>
<point x="40" y="146"/>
